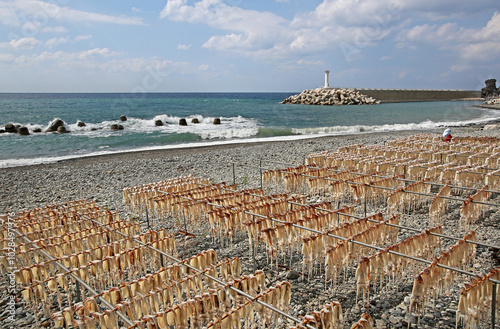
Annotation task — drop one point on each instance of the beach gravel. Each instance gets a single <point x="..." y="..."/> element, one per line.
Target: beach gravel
<point x="103" y="178"/>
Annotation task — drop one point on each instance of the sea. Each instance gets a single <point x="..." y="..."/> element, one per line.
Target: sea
<point x="244" y="117"/>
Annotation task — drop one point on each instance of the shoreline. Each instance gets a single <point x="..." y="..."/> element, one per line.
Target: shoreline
<point x="486" y="106"/>
<point x="102" y="178"/>
<point x="225" y="143"/>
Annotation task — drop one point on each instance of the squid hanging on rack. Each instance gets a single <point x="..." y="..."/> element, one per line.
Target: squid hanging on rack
<point x="472" y="209"/>
<point x="475" y="300"/>
<point x="366" y="322"/>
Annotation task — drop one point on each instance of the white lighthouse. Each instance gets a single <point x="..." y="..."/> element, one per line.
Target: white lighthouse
<point x="327" y="74"/>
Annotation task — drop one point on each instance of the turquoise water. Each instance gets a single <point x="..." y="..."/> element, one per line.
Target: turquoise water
<point x="245" y="117"/>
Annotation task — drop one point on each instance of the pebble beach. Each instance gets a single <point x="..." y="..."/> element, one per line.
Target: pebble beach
<point x="103" y="178"/>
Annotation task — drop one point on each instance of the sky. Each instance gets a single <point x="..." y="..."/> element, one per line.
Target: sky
<point x="246" y="45"/>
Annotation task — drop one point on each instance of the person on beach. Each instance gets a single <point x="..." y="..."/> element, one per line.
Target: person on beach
<point x="447" y="135"/>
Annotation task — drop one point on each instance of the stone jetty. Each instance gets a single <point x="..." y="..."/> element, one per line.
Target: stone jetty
<point x="492" y="101"/>
<point x="330" y="96"/>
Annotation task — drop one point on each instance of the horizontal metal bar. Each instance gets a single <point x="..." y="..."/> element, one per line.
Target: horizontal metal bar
<point x="437" y="184"/>
<point x="370" y="246"/>
<point x="384" y="188"/>
<point x="342" y="238"/>
<point x="224" y="284"/>
<point x="359" y="217"/>
<point x="455" y="154"/>
<point x="83" y="283"/>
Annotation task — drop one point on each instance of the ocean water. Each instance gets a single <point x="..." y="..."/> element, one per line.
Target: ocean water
<point x="245" y="117"/>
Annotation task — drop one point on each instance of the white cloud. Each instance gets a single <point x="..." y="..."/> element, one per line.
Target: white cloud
<point x="253" y="30"/>
<point x="204" y="67"/>
<point x="21" y="44"/>
<point x="268" y="35"/>
<point x="83" y="37"/>
<point x="6" y="57"/>
<point x="100" y="61"/>
<point x="8" y="15"/>
<point x="52" y="42"/>
<point x="487" y="50"/>
<point x="183" y="47"/>
<point x="54" y="29"/>
<point x="354" y="24"/>
<point x="216" y="13"/>
<point x="142" y="65"/>
<point x="309" y="62"/>
<point x="470" y="43"/>
<point x="40" y="12"/>
<point x="66" y="57"/>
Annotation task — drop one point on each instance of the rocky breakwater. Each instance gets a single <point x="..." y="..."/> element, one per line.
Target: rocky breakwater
<point x="493" y="101"/>
<point x="491" y="90"/>
<point x="330" y="96"/>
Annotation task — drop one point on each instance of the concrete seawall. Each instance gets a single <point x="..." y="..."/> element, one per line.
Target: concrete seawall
<point x="418" y="95"/>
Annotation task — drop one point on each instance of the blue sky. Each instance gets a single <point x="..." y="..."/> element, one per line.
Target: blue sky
<point x="246" y="45"/>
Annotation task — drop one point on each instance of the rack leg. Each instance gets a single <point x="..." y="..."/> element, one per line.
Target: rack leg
<point x="493" y="306"/>
<point x="260" y="168"/>
<point x="234" y="176"/>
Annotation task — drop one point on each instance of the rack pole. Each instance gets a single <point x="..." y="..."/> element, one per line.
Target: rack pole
<point x="391" y="189"/>
<point x="260" y="168"/>
<point x="234" y="175"/>
<point x="378" y="176"/>
<point x="359" y="217"/>
<point x="80" y="281"/>
<point x="493" y="305"/>
<point x="224" y="284"/>
<point x="346" y="239"/>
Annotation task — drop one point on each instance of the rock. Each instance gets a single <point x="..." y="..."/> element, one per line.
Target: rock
<point x="123" y="118"/>
<point x="493" y="101"/>
<point x="293" y="275"/>
<point x="330" y="96"/>
<point x="20" y="311"/>
<point x="23" y="131"/>
<point x="80" y="124"/>
<point x="491" y="89"/>
<point x="395" y="319"/>
<point x="496" y="255"/>
<point x="2" y="131"/>
<point x="158" y="123"/>
<point x="45" y="323"/>
<point x="54" y="125"/>
<point x="355" y="310"/>
<point x="61" y="129"/>
<point x="116" y="126"/>
<point x="490" y="126"/>
<point x="37" y="130"/>
<point x="429" y="316"/>
<point x="195" y="120"/>
<point x="183" y="122"/>
<point x="10" y="128"/>
<point x="217" y="121"/>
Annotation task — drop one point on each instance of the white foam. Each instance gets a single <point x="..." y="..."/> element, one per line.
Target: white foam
<point x="232" y="127"/>
<point x="425" y="125"/>
<point x="233" y="130"/>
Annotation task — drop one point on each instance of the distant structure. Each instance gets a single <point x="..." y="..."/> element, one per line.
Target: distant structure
<point x="327" y="84"/>
<point x="491" y="89"/>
